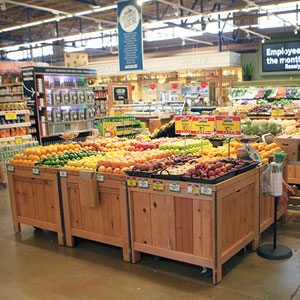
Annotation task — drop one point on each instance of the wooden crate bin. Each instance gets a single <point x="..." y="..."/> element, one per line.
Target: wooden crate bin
<point x="34" y="198"/>
<point x="290" y="146"/>
<point x="294" y="173"/>
<point x="266" y="206"/>
<point x="196" y="224"/>
<point x="104" y="220"/>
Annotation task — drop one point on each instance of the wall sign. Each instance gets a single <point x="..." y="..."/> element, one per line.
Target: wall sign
<point x="120" y="93"/>
<point x="281" y="57"/>
<point x="130" y="35"/>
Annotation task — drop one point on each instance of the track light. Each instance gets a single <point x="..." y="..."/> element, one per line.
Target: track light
<point x="100" y="26"/>
<point x="295" y="31"/>
<point x="263" y="40"/>
<point x="177" y="12"/>
<point x="183" y="42"/>
<point x="248" y="36"/>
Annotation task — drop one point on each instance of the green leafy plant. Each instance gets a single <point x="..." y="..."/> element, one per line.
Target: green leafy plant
<point x="248" y="70"/>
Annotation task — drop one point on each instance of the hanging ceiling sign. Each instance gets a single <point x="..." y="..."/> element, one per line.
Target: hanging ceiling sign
<point x="281" y="57"/>
<point x="130" y="36"/>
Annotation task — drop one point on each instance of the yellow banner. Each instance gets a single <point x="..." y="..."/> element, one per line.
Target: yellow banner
<point x="10" y="116"/>
<point x="183" y="124"/>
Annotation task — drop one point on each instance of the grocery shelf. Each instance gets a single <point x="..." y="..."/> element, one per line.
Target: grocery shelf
<point x="10" y="94"/>
<point x="70" y="122"/>
<point x="11" y="100"/>
<point x="58" y="134"/>
<point x="18" y="112"/>
<point x="3" y="85"/>
<point x="15" y="125"/>
<point x="62" y="105"/>
<point x="12" y="138"/>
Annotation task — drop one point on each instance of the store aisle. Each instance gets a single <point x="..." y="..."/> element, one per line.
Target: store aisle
<point x="34" y="266"/>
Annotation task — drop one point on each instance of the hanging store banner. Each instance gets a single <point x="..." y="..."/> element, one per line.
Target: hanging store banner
<point x="228" y="125"/>
<point x="130" y="35"/>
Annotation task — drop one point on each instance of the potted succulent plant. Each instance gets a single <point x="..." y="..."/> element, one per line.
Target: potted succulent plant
<point x="248" y="71"/>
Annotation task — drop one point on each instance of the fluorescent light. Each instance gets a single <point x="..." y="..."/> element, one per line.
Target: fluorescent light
<point x="11" y="28"/>
<point x="32" y="24"/>
<point x="105" y="8"/>
<point x="82" y="13"/>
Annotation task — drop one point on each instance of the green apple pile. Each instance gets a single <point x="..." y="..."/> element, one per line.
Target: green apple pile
<point x="187" y="146"/>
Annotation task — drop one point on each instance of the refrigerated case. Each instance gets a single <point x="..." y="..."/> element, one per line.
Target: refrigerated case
<point x="60" y="100"/>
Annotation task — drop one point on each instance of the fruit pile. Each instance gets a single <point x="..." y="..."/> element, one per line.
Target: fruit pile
<point x="31" y="156"/>
<point x="187" y="146"/>
<point x="60" y="160"/>
<point x="89" y="163"/>
<point x="213" y="170"/>
<point x="265" y="150"/>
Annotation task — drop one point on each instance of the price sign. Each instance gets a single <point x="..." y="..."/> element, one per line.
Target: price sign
<point x="100" y="177"/>
<point x="131" y="182"/>
<point x="183" y="124"/>
<point x="203" y="125"/>
<point x="63" y="174"/>
<point x="228" y="125"/>
<point x="277" y="112"/>
<point x="158" y="185"/>
<point x="194" y="189"/>
<point x="206" y="190"/>
<point x="35" y="171"/>
<point x="18" y="140"/>
<point x="143" y="183"/>
<point x="10" y="116"/>
<point x="10" y="168"/>
<point x="174" y="187"/>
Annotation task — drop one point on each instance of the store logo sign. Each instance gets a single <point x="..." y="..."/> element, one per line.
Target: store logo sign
<point x="129" y="18"/>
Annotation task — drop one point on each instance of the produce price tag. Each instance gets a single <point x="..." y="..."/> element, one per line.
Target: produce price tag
<point x="228" y="125"/>
<point x="131" y="182"/>
<point x="10" y="168"/>
<point x="143" y="183"/>
<point x="194" y="189"/>
<point x="18" y="140"/>
<point x="10" y="116"/>
<point x="174" y="187"/>
<point x="206" y="190"/>
<point x="158" y="185"/>
<point x="35" y="171"/>
<point x="277" y="112"/>
<point x="203" y="125"/>
<point x="183" y="124"/>
<point x="63" y="173"/>
<point x="100" y="177"/>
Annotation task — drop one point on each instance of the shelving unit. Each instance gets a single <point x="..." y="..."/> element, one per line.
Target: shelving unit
<point x="101" y="98"/>
<point x="60" y="100"/>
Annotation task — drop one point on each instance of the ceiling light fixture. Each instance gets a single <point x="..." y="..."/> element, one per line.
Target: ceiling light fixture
<point x="183" y="42"/>
<point x="295" y="31"/>
<point x="263" y="40"/>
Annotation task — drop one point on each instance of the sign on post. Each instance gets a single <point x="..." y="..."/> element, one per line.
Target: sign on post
<point x="203" y="125"/>
<point x="183" y="124"/>
<point x="130" y="35"/>
<point x="228" y="125"/>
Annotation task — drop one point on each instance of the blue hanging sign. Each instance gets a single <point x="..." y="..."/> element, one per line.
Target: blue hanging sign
<point x="130" y="36"/>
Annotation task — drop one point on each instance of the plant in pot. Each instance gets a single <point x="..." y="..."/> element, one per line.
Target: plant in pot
<point x="248" y="70"/>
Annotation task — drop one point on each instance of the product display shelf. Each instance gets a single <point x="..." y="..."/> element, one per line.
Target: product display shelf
<point x="14" y="125"/>
<point x="197" y="224"/>
<point x="14" y="138"/>
<point x="35" y="200"/>
<point x="96" y="209"/>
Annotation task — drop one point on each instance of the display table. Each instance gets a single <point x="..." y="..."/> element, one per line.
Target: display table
<point x="34" y="198"/>
<point x="184" y="224"/>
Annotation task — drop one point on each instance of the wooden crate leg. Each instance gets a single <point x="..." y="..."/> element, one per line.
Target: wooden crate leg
<point x="126" y="255"/>
<point x="136" y="256"/>
<point x="217" y="275"/>
<point x="60" y="239"/>
<point x="17" y="227"/>
<point x="255" y="243"/>
<point x="70" y="241"/>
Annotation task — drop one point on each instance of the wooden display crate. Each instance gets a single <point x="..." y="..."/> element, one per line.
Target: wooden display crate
<point x="34" y="198"/>
<point x="290" y="146"/>
<point x="193" y="223"/>
<point x="266" y="212"/>
<point x="101" y="216"/>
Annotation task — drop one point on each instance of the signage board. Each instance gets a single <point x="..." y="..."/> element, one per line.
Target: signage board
<point x="278" y="57"/>
<point x="203" y="125"/>
<point x="130" y="35"/>
<point x="183" y="124"/>
<point x="228" y="125"/>
<point x="120" y="93"/>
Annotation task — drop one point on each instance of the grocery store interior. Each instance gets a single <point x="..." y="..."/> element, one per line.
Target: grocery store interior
<point x="150" y="149"/>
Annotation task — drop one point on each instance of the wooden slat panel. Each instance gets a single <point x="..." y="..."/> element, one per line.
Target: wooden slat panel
<point x="107" y="213"/>
<point x="50" y="204"/>
<point x="116" y="214"/>
<point x="163" y="221"/>
<point x="39" y="200"/>
<point x="73" y="198"/>
<point x="184" y="224"/>
<point x="207" y="226"/>
<point x="142" y="217"/>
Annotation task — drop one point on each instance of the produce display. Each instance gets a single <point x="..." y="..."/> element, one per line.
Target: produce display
<point x="4" y="133"/>
<point x="260" y="127"/>
<point x="13" y="106"/>
<point x="167" y="130"/>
